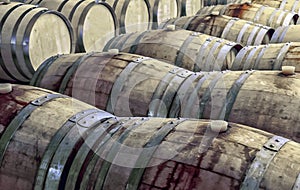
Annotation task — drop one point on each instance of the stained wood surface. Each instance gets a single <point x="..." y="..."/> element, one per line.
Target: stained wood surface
<point x="229" y="28"/>
<point x="139" y="153"/>
<point x="257" y="13"/>
<point x="268" y="57"/>
<point x="186" y="49"/>
<point x="126" y="87"/>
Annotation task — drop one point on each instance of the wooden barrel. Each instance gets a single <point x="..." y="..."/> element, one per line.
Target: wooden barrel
<point x="55" y="142"/>
<point x="186" y="49"/>
<point x="132" y="15"/>
<point x="286" y="34"/>
<point x="131" y="85"/>
<point x="289" y="5"/>
<point x="223" y="2"/>
<point x="28" y="38"/>
<point x="94" y="23"/>
<point x="229" y="28"/>
<point x="260" y="14"/>
<point x="190" y="7"/>
<point x="164" y="9"/>
<point x="268" y="57"/>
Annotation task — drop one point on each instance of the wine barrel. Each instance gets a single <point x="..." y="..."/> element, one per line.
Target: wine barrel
<point x="65" y="144"/>
<point x="268" y="57"/>
<point x="164" y="9"/>
<point x="260" y="14"/>
<point x="190" y="7"/>
<point x="289" y="5"/>
<point x="132" y="15"/>
<point x="132" y="85"/>
<point x="224" y="2"/>
<point x="186" y="49"/>
<point x="24" y="45"/>
<point x="229" y="28"/>
<point x="286" y="34"/>
<point x="94" y="23"/>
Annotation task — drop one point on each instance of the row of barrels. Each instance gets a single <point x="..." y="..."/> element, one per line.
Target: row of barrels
<point x="202" y="52"/>
<point x="24" y="46"/>
<point x="51" y="141"/>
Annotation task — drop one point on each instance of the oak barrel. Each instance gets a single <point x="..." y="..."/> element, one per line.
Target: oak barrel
<point x="132" y="85"/>
<point x="268" y="57"/>
<point x="186" y="49"/>
<point x="49" y="141"/>
<point x="289" y="5"/>
<point x="190" y="7"/>
<point x="164" y="9"/>
<point x="257" y="13"/>
<point x="229" y="28"/>
<point x="132" y="15"/>
<point x="223" y="2"/>
<point x="94" y="23"/>
<point x="24" y="44"/>
<point x="286" y="34"/>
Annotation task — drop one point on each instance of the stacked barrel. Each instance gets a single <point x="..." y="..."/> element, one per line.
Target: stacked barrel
<point x="149" y="94"/>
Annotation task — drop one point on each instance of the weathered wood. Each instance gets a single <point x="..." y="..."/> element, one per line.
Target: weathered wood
<point x="289" y="5"/>
<point x="268" y="57"/>
<point x="127" y="85"/>
<point x="224" y="2"/>
<point x="94" y="23"/>
<point x="24" y="45"/>
<point x="132" y="15"/>
<point x="186" y="49"/>
<point x="53" y="149"/>
<point x="190" y="7"/>
<point x="164" y="9"/>
<point x="229" y="28"/>
<point x="257" y="13"/>
<point x="286" y="34"/>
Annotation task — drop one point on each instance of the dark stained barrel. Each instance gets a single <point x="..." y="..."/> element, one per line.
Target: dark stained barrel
<point x="190" y="50"/>
<point x="229" y="28"/>
<point x="257" y="13"/>
<point x="24" y="45"/>
<point x="132" y="85"/>
<point x="268" y="57"/>
<point x="49" y="141"/>
<point x="223" y="2"/>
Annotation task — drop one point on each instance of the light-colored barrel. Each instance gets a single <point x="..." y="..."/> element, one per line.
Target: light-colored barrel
<point x="164" y="9"/>
<point x="28" y="38"/>
<point x="229" y="28"/>
<point x="257" y="13"/>
<point x="94" y="23"/>
<point x="289" y="5"/>
<point x="286" y="34"/>
<point x="54" y="142"/>
<point x="190" y="7"/>
<point x="131" y="85"/>
<point x="186" y="49"/>
<point x="132" y="15"/>
<point x="268" y="57"/>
